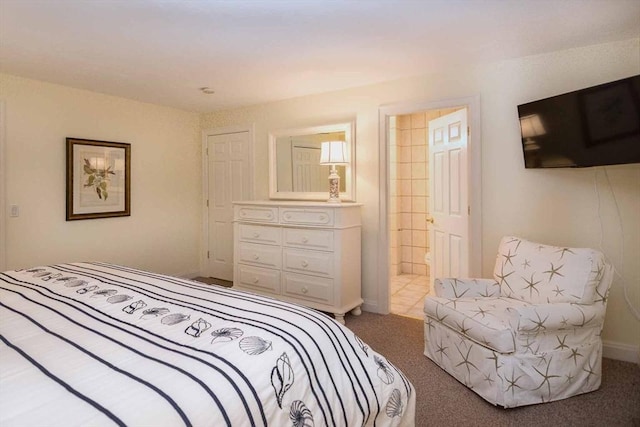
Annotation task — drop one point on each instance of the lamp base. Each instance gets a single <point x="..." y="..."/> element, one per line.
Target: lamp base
<point x="334" y="186"/>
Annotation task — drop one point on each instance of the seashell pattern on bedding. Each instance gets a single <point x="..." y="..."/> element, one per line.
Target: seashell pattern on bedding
<point x="196" y="354"/>
<point x="254" y="345"/>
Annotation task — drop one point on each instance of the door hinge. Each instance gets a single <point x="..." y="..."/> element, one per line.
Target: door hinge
<point x="468" y="131"/>
<point x="468" y="210"/>
<point x="207" y="254"/>
<point x="207" y="203"/>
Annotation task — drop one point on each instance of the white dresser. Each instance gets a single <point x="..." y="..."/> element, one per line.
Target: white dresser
<point x="302" y="252"/>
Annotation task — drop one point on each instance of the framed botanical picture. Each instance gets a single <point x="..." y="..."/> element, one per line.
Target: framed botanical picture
<point x="98" y="179"/>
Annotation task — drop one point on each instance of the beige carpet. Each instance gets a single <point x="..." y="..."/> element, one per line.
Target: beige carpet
<point x="443" y="401"/>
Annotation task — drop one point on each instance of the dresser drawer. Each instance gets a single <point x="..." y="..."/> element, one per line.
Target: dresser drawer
<point x="311" y="262"/>
<point x="308" y="287"/>
<point x="307" y="216"/>
<point x="258" y="279"/>
<point x="259" y="234"/>
<point x="257" y="213"/>
<point x="308" y="238"/>
<point x="261" y="255"/>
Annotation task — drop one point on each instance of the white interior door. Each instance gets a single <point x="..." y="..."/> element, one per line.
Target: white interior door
<point x="228" y="181"/>
<point x="307" y="172"/>
<point x="448" y="202"/>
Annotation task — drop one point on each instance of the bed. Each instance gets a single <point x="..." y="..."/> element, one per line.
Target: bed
<point x="100" y="344"/>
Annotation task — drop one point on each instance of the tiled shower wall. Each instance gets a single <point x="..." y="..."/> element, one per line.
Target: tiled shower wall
<point x="409" y="181"/>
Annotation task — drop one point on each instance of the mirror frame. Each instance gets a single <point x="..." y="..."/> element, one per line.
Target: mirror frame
<point x="350" y="170"/>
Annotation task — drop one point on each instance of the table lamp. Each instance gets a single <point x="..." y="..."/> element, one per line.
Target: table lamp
<point x="334" y="153"/>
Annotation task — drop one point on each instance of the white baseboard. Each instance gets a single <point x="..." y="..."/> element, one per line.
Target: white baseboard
<point x="621" y="351"/>
<point x="370" y="306"/>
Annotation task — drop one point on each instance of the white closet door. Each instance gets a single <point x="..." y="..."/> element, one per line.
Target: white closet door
<point x="229" y="175"/>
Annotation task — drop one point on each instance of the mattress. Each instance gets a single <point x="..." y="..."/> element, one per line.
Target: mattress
<point x="100" y="344"/>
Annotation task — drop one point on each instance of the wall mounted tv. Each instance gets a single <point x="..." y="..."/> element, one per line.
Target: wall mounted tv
<point x="595" y="126"/>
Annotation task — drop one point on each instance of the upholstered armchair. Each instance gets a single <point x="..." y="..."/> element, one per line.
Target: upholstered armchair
<point x="529" y="335"/>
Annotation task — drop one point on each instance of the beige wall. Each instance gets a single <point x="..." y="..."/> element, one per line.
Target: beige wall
<point x="163" y="231"/>
<point x="552" y="206"/>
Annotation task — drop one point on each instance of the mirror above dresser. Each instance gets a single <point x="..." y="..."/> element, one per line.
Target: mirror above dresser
<point x="295" y="172"/>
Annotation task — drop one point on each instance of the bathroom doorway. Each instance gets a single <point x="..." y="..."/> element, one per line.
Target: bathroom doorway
<point x="389" y="158"/>
<point x="409" y="216"/>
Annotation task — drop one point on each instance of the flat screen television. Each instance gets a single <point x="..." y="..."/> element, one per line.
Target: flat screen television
<point x="595" y="126"/>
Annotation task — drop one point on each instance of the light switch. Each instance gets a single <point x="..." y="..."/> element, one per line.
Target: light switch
<point x="15" y="211"/>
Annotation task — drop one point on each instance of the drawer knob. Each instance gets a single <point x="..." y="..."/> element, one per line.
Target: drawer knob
<point x="305" y="290"/>
<point x="305" y="239"/>
<point x="256" y="235"/>
<point x="269" y="215"/>
<point x="304" y="263"/>
<point x="256" y="257"/>
<point x="322" y="217"/>
<point x="287" y="217"/>
<point x="256" y="280"/>
<point x="243" y="213"/>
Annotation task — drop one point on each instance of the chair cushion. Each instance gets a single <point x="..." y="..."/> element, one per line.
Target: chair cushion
<point x="538" y="273"/>
<point x="483" y="320"/>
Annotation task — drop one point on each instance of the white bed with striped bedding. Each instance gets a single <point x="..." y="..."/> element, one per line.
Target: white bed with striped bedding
<point x="98" y="344"/>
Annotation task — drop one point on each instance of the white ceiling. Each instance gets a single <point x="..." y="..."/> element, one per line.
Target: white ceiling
<point x="256" y="51"/>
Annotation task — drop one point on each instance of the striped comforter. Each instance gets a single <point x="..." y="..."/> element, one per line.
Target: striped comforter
<point x="99" y="344"/>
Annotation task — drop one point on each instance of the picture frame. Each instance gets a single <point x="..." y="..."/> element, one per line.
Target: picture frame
<point x="98" y="179"/>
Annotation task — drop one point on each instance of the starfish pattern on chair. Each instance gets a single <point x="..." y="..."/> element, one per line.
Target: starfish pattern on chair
<point x="546" y="377"/>
<point x="530" y="334"/>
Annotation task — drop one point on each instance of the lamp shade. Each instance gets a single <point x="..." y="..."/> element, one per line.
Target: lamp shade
<point x="333" y="153"/>
<point x="531" y="126"/>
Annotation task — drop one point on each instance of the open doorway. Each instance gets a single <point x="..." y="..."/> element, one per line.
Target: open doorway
<point x="405" y="279"/>
<point x="409" y="212"/>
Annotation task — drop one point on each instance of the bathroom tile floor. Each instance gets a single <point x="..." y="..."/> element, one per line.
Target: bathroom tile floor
<point x="407" y="295"/>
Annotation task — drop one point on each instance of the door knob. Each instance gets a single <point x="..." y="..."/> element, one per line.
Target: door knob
<point x="430" y="220"/>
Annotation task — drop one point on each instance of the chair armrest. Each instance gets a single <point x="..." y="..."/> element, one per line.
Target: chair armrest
<point x="557" y="317"/>
<point x="453" y="288"/>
